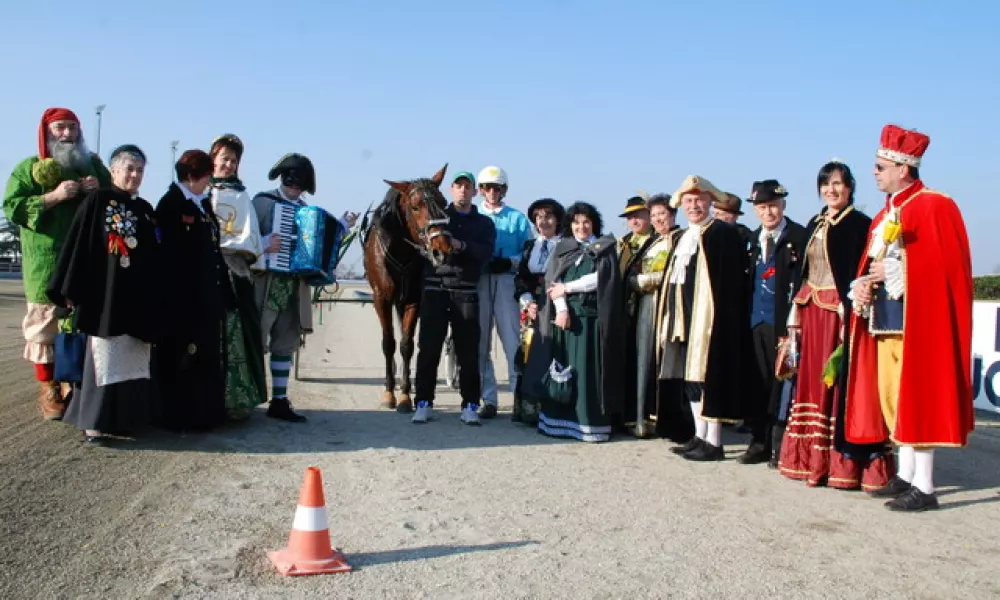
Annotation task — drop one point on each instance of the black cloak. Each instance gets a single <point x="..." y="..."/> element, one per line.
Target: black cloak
<point x="114" y="293"/>
<point x="610" y="320"/>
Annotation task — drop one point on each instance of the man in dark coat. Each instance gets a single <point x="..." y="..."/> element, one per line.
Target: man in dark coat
<point x="701" y="321"/>
<point x="775" y="261"/>
<point x="631" y="248"/>
<point x="451" y="298"/>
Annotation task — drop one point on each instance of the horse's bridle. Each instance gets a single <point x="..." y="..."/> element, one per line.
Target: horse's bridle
<point x="439" y="219"/>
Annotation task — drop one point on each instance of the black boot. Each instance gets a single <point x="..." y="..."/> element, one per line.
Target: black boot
<point x="757" y="453"/>
<point x="281" y="408"/>
<point x="778" y="437"/>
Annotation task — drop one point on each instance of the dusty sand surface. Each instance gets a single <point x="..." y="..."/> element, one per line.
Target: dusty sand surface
<point x="449" y="511"/>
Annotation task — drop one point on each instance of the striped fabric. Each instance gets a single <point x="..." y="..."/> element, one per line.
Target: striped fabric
<point x="281" y="366"/>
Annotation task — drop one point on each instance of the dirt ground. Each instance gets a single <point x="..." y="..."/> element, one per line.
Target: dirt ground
<point x="449" y="511"/>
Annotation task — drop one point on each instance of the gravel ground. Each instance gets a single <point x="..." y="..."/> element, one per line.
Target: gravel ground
<point x="449" y="511"/>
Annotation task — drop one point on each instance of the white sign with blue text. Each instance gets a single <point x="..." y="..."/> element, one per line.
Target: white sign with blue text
<point x="986" y="355"/>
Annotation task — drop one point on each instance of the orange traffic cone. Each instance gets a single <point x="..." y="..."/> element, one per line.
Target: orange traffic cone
<point x="309" y="551"/>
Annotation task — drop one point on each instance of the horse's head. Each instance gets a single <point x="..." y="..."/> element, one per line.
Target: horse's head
<point x="422" y="205"/>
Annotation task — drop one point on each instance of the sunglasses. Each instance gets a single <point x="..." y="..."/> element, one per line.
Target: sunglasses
<point x="491" y="186"/>
<point x="881" y="168"/>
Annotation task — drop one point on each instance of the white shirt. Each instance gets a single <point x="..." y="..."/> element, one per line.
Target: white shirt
<point x="895" y="285"/>
<point x="196" y="198"/>
<point x="536" y="265"/>
<point x="587" y="283"/>
<point x="774" y="234"/>
<point x="535" y="262"/>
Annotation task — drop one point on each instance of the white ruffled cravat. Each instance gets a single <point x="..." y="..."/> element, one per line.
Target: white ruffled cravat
<point x="687" y="247"/>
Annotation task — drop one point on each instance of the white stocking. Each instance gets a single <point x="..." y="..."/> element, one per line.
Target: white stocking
<point x="700" y="425"/>
<point x="923" y="474"/>
<point x="714" y="433"/>
<point x="907" y="464"/>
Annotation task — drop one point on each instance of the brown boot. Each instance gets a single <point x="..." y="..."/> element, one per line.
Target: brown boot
<point x="51" y="402"/>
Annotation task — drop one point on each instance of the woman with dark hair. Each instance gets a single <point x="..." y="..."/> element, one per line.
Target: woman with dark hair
<point x="240" y="242"/>
<point x="190" y="359"/>
<point x="529" y="288"/>
<point x="837" y="240"/>
<point x="644" y="282"/>
<point x="578" y="364"/>
<point x="108" y="273"/>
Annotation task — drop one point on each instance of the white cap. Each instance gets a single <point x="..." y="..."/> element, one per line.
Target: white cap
<point x="492" y="174"/>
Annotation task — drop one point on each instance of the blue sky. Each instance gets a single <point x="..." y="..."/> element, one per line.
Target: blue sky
<point x="575" y="100"/>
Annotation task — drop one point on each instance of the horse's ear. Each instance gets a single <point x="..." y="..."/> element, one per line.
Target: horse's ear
<point x="401" y="187"/>
<point x="439" y="176"/>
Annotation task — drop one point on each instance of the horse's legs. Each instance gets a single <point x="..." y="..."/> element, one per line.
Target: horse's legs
<point x="383" y="308"/>
<point x="410" y="313"/>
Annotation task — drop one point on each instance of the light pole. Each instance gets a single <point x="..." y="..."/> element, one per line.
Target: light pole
<point x="100" y="111"/>
<point x="173" y="157"/>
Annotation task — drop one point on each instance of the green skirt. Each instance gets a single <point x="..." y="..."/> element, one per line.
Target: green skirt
<point x="573" y="408"/>
<point x="246" y="380"/>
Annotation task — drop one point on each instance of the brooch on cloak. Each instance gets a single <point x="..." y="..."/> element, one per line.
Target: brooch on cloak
<point x="119" y="223"/>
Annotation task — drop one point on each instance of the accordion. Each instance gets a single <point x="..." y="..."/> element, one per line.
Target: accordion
<point x="310" y="243"/>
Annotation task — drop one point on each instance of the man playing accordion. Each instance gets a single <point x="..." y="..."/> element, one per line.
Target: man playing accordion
<point x="284" y="298"/>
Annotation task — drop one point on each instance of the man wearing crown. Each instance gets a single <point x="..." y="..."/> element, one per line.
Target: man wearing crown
<point x="910" y="336"/>
<point x="41" y="199"/>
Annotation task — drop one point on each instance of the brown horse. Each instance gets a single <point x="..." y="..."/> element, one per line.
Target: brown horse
<point x="407" y="229"/>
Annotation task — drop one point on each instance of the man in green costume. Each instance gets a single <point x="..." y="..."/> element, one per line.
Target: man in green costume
<point x="41" y="198"/>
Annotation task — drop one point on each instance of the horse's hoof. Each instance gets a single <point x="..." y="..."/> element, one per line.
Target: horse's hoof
<point x="388" y="400"/>
<point x="404" y="406"/>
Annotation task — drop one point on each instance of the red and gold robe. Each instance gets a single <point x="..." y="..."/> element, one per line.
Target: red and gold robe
<point x="935" y="393"/>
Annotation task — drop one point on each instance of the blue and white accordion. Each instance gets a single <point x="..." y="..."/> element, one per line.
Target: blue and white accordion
<point x="310" y="243"/>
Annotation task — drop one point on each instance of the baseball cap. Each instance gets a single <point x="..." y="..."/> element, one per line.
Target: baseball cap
<point x="467" y="175"/>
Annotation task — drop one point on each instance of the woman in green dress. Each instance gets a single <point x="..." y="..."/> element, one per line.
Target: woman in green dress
<point x="246" y="383"/>
<point x="580" y="375"/>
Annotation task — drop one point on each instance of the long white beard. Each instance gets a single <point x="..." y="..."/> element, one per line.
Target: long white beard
<point x="73" y="156"/>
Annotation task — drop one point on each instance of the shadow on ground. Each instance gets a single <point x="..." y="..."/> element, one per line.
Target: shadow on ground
<point x="371" y="559"/>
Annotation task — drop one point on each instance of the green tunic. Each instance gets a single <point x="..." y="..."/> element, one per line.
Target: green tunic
<point x="42" y="231"/>
<point x="579" y="414"/>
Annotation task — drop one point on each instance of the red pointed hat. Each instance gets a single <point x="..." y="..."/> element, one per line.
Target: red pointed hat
<point x="902" y="146"/>
<point x="50" y="116"/>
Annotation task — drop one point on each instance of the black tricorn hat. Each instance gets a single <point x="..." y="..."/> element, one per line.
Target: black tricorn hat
<point x="548" y="203"/>
<point x="633" y="204"/>
<point x="295" y="169"/>
<point x="766" y="191"/>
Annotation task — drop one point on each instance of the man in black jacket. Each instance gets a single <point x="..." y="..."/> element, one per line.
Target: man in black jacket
<point x="775" y="260"/>
<point x="450" y="298"/>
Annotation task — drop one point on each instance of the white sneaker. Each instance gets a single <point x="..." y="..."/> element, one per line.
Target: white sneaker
<point x="423" y="413"/>
<point x="469" y="415"/>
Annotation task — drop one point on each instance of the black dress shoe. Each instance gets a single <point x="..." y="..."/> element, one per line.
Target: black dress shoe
<point x="773" y="463"/>
<point x="95" y="440"/>
<point x="488" y="411"/>
<point x="705" y="452"/>
<point x="894" y="489"/>
<point x="755" y="455"/>
<point x="913" y="501"/>
<point x="689" y="446"/>
<point x="281" y="408"/>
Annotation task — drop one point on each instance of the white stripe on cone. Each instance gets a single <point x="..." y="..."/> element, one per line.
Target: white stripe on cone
<point x="310" y="518"/>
